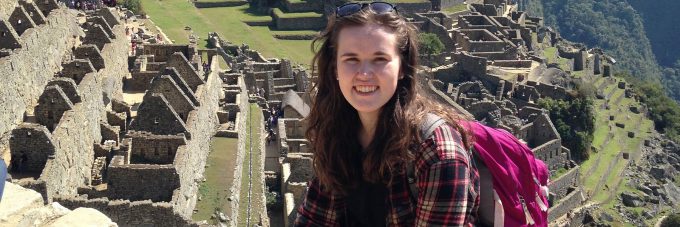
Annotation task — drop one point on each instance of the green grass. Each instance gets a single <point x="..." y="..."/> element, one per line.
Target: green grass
<point x="620" y="142"/>
<point x="219" y="177"/>
<point x="577" y="74"/>
<point x="220" y="0"/>
<point x="281" y="14"/>
<point x="296" y="32"/>
<point x="455" y="8"/>
<point x="173" y="15"/>
<point x="257" y="170"/>
<point x="559" y="173"/>
<point x="564" y="63"/>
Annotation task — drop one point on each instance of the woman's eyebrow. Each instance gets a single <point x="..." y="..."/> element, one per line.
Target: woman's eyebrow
<point x="348" y="55"/>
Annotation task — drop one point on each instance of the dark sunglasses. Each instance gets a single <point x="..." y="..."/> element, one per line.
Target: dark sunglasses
<point x="376" y="7"/>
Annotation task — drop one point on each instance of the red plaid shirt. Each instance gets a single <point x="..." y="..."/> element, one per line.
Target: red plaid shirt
<point x="448" y="189"/>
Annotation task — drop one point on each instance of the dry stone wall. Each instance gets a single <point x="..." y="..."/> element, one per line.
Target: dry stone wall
<point x="126" y="213"/>
<point x="30" y="68"/>
<point x="202" y="124"/>
<point x="74" y="139"/>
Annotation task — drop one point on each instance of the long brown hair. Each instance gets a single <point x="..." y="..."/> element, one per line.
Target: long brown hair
<point x="334" y="123"/>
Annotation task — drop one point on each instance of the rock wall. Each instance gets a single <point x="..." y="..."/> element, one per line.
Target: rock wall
<point x="440" y="4"/>
<point x="414" y="7"/>
<point x="79" y="129"/>
<point x="298" y="23"/>
<point x="74" y="139"/>
<point x="144" y="177"/>
<point x="202" y="124"/>
<point x="570" y="202"/>
<point x="435" y="27"/>
<point x="547" y="151"/>
<point x="305" y="6"/>
<point x="126" y="213"/>
<point x="6" y="8"/>
<point x="27" y="70"/>
<point x="115" y="58"/>
<point x="235" y="188"/>
<point x="560" y="186"/>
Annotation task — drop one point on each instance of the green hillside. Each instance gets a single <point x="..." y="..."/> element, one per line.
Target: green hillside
<point x="636" y="33"/>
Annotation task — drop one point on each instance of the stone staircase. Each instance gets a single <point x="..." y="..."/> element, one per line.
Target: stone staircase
<point x="24" y="207"/>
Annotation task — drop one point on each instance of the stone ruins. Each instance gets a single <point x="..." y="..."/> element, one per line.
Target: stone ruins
<point x="88" y="123"/>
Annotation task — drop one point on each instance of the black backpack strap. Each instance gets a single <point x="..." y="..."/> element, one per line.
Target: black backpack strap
<point x="431" y="123"/>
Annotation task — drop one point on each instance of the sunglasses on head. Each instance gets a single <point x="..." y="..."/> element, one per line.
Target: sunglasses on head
<point x="376" y="7"/>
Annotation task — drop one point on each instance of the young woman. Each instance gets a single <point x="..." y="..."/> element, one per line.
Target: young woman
<point x="364" y="130"/>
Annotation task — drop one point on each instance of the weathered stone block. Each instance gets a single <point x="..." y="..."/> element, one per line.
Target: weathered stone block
<point x="621" y="85"/>
<point x="631" y="200"/>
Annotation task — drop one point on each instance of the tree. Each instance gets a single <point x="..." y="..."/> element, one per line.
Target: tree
<point x="574" y="121"/>
<point x="429" y="44"/>
<point x="671" y="220"/>
<point x="135" y="6"/>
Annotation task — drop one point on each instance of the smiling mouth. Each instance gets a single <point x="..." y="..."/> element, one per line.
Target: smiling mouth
<point x="365" y="89"/>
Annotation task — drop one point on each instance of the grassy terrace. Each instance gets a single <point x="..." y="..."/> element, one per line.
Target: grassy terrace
<point x="173" y="15"/>
<point x="219" y="175"/>
<point x="603" y="173"/>
<point x="456" y="8"/>
<point x="281" y="14"/>
<point x="253" y="123"/>
<point x="220" y="0"/>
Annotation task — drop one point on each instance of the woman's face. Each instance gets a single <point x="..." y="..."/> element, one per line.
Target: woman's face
<point x="368" y="66"/>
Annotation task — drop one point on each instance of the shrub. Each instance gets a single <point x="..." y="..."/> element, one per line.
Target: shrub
<point x="135" y="6"/>
<point x="574" y="121"/>
<point x="429" y="44"/>
<point x="671" y="221"/>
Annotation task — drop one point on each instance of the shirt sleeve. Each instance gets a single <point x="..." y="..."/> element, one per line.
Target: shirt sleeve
<point x="319" y="207"/>
<point x="445" y="181"/>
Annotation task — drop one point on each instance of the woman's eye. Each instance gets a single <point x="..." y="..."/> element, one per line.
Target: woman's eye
<point x="351" y="60"/>
<point x="380" y="60"/>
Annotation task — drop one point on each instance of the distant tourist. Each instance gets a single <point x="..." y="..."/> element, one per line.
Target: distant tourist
<point x="364" y="131"/>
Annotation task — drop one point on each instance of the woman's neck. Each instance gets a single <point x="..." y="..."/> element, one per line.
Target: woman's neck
<point x="369" y="123"/>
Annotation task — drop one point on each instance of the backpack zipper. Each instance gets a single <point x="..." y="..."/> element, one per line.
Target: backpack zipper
<point x="527" y="215"/>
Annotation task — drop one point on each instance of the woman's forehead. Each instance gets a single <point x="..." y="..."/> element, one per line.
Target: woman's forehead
<point x="369" y="38"/>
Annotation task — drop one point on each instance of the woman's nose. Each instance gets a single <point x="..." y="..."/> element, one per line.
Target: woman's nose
<point x="365" y="70"/>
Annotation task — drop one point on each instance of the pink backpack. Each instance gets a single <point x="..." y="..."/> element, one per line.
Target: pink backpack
<point x="519" y="179"/>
